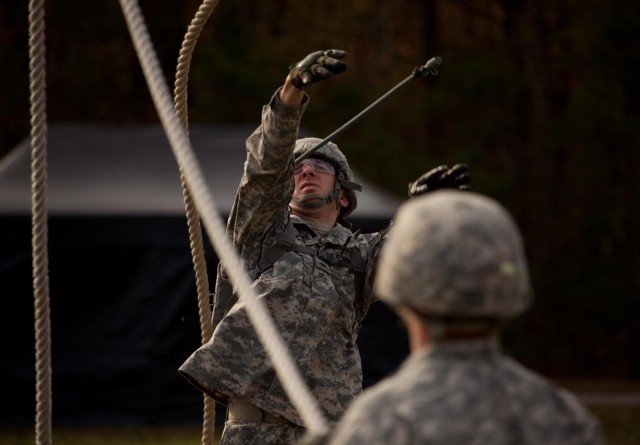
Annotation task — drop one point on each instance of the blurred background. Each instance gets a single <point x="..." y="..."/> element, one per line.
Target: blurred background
<point x="538" y="97"/>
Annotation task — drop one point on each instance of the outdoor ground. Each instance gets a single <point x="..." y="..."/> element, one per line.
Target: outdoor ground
<point x="615" y="404"/>
<point x="621" y="425"/>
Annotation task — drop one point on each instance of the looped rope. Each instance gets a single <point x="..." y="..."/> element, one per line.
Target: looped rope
<point x="193" y="219"/>
<point x="180" y="99"/>
<point x="287" y="371"/>
<point x="37" y="85"/>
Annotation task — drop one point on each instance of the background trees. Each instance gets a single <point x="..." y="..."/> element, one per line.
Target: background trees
<point x="537" y="96"/>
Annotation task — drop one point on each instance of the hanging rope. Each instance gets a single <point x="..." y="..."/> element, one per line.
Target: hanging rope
<point x="193" y="219"/>
<point x="288" y="373"/>
<point x="37" y="85"/>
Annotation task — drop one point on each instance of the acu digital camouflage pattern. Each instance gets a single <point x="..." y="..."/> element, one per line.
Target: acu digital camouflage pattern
<point x="455" y="253"/>
<point x="313" y="303"/>
<point x="466" y="393"/>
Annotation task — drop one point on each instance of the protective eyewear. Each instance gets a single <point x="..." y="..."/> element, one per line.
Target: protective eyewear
<point x="316" y="164"/>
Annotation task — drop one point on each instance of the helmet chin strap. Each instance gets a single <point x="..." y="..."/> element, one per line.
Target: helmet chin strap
<point x="316" y="201"/>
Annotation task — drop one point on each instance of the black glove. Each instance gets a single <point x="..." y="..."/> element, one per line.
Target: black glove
<point x="317" y="66"/>
<point x="442" y="177"/>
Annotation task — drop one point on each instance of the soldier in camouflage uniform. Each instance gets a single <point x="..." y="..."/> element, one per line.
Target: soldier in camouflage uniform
<point x="312" y="272"/>
<point x="453" y="267"/>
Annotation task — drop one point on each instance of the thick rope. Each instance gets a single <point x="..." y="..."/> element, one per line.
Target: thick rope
<point x="37" y="77"/>
<point x="193" y="219"/>
<point x="180" y="99"/>
<point x="288" y="373"/>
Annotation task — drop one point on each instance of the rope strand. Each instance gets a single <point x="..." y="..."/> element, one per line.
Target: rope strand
<point x="193" y="219"/>
<point x="37" y="77"/>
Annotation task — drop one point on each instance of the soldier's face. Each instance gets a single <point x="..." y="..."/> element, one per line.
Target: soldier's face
<point x="313" y="179"/>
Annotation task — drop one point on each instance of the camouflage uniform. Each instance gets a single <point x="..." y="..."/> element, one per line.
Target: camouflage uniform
<point x="315" y="304"/>
<point x="466" y="392"/>
<point x="454" y="266"/>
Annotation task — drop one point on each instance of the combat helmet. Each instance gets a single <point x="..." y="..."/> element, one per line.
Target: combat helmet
<point x="344" y="176"/>
<point x="455" y="254"/>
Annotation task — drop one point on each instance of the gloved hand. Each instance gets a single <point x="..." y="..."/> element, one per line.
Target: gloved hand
<point x="456" y="177"/>
<point x="317" y="66"/>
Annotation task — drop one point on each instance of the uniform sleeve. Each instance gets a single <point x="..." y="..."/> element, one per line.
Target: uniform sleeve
<point x="259" y="213"/>
<point x="266" y="186"/>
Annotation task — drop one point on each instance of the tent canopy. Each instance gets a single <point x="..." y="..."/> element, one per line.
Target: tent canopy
<point x="119" y="170"/>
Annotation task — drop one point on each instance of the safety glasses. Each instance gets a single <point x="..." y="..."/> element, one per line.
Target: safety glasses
<point x="318" y="166"/>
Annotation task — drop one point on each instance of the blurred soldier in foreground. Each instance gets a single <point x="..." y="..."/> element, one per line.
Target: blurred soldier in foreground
<point x="454" y="269"/>
<point x="312" y="272"/>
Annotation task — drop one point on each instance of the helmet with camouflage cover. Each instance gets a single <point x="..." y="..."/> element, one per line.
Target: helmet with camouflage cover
<point x="344" y="176"/>
<point x="457" y="255"/>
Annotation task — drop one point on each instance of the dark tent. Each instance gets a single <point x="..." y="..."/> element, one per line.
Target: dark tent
<point x="123" y="298"/>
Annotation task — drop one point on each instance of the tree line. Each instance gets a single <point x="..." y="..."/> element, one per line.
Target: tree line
<point x="537" y="97"/>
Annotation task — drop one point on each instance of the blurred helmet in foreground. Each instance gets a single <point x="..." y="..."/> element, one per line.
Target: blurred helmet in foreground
<point x="455" y="254"/>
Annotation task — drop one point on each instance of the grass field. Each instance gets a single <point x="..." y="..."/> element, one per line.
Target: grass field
<point x="621" y="425"/>
<point x="169" y="435"/>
